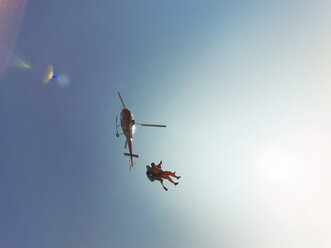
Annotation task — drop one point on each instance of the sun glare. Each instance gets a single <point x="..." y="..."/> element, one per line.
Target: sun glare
<point x="277" y="165"/>
<point x="292" y="177"/>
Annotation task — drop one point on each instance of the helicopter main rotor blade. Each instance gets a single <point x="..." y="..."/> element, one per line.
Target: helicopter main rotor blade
<point x="150" y="125"/>
<point x="119" y="95"/>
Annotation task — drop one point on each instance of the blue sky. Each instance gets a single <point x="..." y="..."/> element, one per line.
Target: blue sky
<point x="243" y="88"/>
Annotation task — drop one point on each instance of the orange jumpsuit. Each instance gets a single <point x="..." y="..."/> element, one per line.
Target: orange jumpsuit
<point x="164" y="174"/>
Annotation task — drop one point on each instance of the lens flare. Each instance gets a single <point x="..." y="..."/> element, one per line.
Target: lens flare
<point x="49" y="74"/>
<point x="62" y="80"/>
<point x="11" y="15"/>
<point x="19" y="62"/>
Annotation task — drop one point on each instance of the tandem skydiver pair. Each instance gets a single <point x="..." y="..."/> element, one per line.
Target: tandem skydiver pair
<point x="154" y="172"/>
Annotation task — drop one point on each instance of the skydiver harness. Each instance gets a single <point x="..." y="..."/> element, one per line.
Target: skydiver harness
<point x="152" y="176"/>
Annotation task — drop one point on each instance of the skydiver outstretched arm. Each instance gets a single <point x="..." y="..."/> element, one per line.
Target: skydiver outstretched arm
<point x="159" y="165"/>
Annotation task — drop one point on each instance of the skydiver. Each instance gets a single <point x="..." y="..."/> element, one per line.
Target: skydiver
<point x="152" y="177"/>
<point x="154" y="172"/>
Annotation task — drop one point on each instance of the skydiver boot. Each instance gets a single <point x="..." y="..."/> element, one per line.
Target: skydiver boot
<point x="176" y="176"/>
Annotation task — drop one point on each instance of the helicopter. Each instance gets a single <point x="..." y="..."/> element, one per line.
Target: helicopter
<point x="128" y="125"/>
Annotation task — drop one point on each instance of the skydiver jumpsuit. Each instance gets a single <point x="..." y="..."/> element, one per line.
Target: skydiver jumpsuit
<point x="164" y="174"/>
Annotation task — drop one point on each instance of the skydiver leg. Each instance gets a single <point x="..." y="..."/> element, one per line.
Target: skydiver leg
<point x="173" y="174"/>
<point x="166" y="175"/>
<point x="163" y="186"/>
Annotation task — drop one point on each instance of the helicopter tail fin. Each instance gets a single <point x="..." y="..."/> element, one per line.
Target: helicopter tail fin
<point x="129" y="155"/>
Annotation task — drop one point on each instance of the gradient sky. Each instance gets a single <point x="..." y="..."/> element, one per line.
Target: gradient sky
<point x="244" y="88"/>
